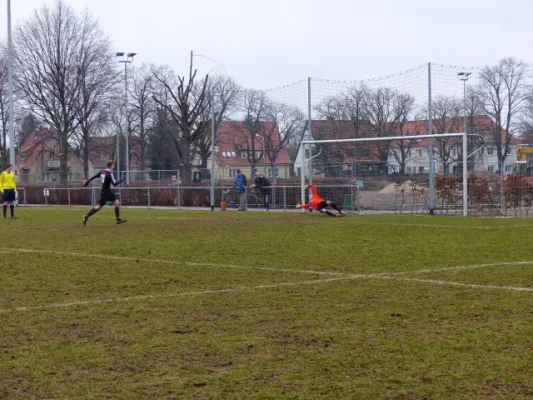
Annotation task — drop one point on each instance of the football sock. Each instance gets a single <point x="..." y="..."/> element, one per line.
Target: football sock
<point x="92" y="212"/>
<point x="12" y="210"/>
<point x="117" y="212"/>
<point x="5" y="210"/>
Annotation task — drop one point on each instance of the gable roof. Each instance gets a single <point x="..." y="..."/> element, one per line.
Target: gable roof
<point x="101" y="149"/>
<point x="233" y="136"/>
<point x="34" y="145"/>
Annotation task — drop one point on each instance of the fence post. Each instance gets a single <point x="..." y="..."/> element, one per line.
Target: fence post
<point x="68" y="195"/>
<point x="284" y="198"/>
<point x="24" y="191"/>
<point x="148" y="189"/>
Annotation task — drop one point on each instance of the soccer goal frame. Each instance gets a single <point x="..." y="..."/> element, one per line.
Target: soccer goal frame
<point x="464" y="135"/>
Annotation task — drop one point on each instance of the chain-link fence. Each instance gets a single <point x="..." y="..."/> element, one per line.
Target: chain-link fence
<point x="153" y="177"/>
<point x="490" y="194"/>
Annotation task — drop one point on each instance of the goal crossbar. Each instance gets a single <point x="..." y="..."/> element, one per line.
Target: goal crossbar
<point x="378" y="139"/>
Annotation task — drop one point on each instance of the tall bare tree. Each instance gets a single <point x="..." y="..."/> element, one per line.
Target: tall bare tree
<point x="384" y="108"/>
<point x="98" y="79"/>
<point x="287" y="122"/>
<point x="401" y="149"/>
<point x="346" y="118"/>
<point x="256" y="109"/>
<point x="142" y="107"/>
<point x="50" y="49"/>
<point x="224" y="95"/>
<point x="185" y="105"/>
<point x="503" y="94"/>
<point x="447" y="119"/>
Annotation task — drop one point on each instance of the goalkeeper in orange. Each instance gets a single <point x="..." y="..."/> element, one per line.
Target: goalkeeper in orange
<point x="321" y="205"/>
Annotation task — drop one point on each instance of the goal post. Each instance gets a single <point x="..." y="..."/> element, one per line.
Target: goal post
<point x="394" y="139"/>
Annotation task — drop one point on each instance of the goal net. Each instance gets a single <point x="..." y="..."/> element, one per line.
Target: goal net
<point x="405" y="173"/>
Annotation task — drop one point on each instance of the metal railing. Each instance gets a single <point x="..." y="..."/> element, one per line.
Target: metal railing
<point x="489" y="195"/>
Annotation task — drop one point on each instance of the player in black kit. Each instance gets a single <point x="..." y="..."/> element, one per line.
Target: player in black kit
<point x="107" y="178"/>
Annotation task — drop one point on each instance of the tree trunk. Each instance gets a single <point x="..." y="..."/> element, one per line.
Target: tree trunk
<point x="86" y="160"/>
<point x="63" y="159"/>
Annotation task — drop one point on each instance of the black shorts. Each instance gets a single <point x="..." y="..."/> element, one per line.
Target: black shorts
<point x="322" y="205"/>
<point x="9" y="195"/>
<point x="105" y="197"/>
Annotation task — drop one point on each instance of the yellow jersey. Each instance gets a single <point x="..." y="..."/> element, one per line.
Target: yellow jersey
<point x="7" y="181"/>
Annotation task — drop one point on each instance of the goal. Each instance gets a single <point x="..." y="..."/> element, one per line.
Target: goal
<point x="408" y="163"/>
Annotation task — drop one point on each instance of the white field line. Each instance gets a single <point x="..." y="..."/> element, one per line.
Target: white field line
<point x="170" y="295"/>
<point x="456" y="268"/>
<point x="339" y="276"/>
<point x="484" y="227"/>
<point x="467" y="285"/>
<point x="171" y="262"/>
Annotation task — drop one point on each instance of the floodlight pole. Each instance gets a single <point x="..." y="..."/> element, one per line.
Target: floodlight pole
<point x="127" y="59"/>
<point x="10" y="88"/>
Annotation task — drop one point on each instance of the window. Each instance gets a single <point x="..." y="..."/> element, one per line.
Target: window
<point x="509" y="168"/>
<point x="52" y="156"/>
<point x="244" y="154"/>
<point x="491" y="168"/>
<point x="233" y="154"/>
<point x="420" y="170"/>
<point x="232" y="173"/>
<point x="419" y="153"/>
<point x="408" y="170"/>
<point x="69" y="177"/>
<point x="509" y="151"/>
<point x="490" y="151"/>
<point x="46" y="177"/>
<point x="270" y="172"/>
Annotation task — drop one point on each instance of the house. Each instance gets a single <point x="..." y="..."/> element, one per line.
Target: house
<point x="406" y="157"/>
<point x="447" y="152"/>
<point x="234" y="149"/>
<point x="341" y="158"/>
<point x="37" y="160"/>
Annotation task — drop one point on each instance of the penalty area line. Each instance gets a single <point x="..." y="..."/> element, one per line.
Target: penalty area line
<point x="171" y="262"/>
<point x="170" y="295"/>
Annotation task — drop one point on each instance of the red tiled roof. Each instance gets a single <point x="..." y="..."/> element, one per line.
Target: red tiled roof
<point x="101" y="149"/>
<point x="233" y="136"/>
<point x="33" y="146"/>
<point x="344" y="129"/>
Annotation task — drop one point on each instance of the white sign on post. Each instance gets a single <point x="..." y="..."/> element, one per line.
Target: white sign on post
<point x="46" y="192"/>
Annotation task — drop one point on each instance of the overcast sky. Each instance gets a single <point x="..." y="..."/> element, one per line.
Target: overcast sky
<point x="268" y="43"/>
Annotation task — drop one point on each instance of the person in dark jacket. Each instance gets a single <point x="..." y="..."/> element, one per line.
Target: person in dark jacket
<point x="240" y="189"/>
<point x="263" y="185"/>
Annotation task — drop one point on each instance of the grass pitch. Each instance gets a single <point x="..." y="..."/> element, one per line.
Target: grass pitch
<point x="203" y="305"/>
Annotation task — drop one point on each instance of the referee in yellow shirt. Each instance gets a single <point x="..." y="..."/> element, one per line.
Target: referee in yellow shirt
<point x="8" y="189"/>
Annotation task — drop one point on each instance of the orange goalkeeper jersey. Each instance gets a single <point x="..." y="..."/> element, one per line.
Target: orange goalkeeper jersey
<point x="314" y="200"/>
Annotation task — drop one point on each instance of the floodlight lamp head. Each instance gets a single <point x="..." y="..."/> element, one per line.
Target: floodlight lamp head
<point x="120" y="54"/>
<point x="132" y="55"/>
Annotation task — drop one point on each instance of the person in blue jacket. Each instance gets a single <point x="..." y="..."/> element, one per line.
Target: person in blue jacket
<point x="240" y="189"/>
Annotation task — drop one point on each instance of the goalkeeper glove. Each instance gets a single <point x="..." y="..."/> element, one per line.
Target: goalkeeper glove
<point x="297" y="205"/>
